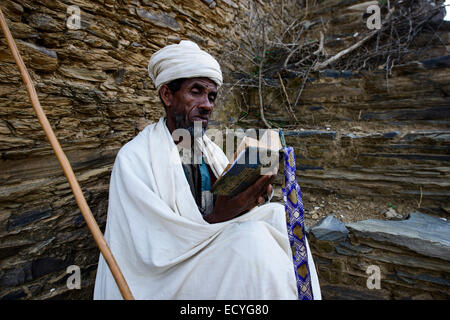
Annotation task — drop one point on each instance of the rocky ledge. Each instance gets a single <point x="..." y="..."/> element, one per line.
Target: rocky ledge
<point x="421" y="233"/>
<point x="412" y="256"/>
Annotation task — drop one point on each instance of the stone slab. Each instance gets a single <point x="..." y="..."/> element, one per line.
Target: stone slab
<point x="330" y="229"/>
<point x="421" y="233"/>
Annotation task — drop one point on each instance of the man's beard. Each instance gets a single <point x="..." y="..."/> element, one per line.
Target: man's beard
<point x="195" y="130"/>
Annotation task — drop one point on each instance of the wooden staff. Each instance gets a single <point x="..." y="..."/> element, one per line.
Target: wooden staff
<point x="64" y="162"/>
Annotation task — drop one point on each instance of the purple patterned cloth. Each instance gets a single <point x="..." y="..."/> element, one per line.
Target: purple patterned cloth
<point x="296" y="225"/>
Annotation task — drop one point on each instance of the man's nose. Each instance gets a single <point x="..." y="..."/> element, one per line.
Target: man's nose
<point x="206" y="104"/>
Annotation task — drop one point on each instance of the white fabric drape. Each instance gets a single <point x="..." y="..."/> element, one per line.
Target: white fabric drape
<point x="166" y="250"/>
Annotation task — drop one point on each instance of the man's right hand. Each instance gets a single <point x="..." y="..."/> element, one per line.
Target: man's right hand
<point x="227" y="208"/>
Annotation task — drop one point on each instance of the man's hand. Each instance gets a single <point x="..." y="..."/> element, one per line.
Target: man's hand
<point x="227" y="208"/>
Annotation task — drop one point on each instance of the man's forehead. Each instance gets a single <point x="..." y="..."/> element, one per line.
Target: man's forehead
<point x="204" y="82"/>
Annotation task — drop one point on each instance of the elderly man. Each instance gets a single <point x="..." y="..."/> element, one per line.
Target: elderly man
<point x="172" y="238"/>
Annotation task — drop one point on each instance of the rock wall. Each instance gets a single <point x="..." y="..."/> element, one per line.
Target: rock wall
<point x="374" y="259"/>
<point x="364" y="134"/>
<point x="94" y="87"/>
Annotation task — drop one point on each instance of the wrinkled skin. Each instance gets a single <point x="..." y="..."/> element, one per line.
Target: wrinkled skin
<point x="195" y="102"/>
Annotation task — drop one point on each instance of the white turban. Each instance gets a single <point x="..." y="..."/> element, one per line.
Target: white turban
<point x="183" y="60"/>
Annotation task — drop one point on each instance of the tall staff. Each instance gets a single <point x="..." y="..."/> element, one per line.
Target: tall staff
<point x="64" y="162"/>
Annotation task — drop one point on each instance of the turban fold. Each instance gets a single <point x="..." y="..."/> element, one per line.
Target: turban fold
<point x="183" y="60"/>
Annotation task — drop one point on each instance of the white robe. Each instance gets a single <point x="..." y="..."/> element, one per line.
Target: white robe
<point x="166" y="250"/>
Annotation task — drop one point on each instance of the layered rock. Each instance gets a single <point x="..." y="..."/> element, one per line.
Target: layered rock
<point x="361" y="135"/>
<point x="93" y="84"/>
<point x="411" y="256"/>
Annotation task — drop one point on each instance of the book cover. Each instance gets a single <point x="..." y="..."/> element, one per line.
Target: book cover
<point x="252" y="159"/>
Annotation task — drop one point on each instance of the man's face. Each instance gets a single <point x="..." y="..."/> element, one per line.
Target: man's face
<point x="193" y="102"/>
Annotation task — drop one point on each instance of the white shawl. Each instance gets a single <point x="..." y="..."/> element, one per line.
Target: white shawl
<point x="166" y="250"/>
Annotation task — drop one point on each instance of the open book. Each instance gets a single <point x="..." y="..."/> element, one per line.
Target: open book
<point x="251" y="160"/>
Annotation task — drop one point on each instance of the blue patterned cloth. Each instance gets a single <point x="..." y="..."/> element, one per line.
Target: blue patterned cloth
<point x="296" y="225"/>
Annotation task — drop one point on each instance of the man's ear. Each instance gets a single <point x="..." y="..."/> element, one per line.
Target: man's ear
<point x="166" y="95"/>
